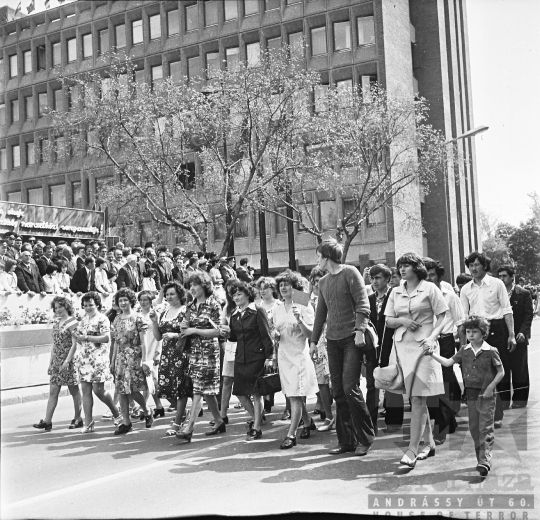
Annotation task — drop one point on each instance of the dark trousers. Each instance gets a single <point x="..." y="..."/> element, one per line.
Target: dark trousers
<point x="353" y="424"/>
<point x="393" y="404"/>
<point x="519" y="366"/>
<point x="372" y="396"/>
<point x="498" y="338"/>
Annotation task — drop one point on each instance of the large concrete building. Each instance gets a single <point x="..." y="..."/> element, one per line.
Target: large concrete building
<point x="406" y="45"/>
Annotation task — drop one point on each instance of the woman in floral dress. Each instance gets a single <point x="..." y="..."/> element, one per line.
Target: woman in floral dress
<point x="61" y="367"/>
<point x="92" y="359"/>
<point x="129" y="358"/>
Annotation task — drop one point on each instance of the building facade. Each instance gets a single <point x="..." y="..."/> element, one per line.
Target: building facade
<point x="410" y="45"/>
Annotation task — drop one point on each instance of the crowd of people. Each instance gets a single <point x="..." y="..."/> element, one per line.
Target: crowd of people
<point x="199" y="329"/>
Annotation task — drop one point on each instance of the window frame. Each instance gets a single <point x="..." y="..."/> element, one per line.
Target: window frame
<point x="62" y="190"/>
<point x="84" y="39"/>
<point x="30" y="154"/>
<point x="13" y="65"/>
<point x="56" y="52"/>
<point x="116" y="29"/>
<point x="29" y="103"/>
<point x="359" y="19"/>
<point x="195" y="9"/>
<point x="169" y="33"/>
<point x="312" y="33"/>
<point x="70" y="41"/>
<point x="237" y="54"/>
<point x="100" y="34"/>
<point x="225" y="4"/>
<point x="214" y="10"/>
<point x="15" y="109"/>
<point x="347" y="34"/>
<point x="27" y="55"/>
<point x="251" y="13"/>
<point x="41" y="113"/>
<point x="15" y="156"/>
<point x="258" y="58"/>
<point x="151" y="18"/>
<point x="136" y="30"/>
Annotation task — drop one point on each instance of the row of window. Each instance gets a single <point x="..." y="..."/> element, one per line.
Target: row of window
<point x="57" y="195"/>
<point x="319" y="46"/>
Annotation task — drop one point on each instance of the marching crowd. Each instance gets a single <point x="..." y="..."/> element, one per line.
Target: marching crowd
<point x="192" y="327"/>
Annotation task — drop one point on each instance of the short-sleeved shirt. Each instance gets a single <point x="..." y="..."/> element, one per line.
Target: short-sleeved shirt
<point x="489" y="299"/>
<point x="479" y="369"/>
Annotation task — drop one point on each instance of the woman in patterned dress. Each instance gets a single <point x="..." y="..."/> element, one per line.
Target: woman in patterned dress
<point x="128" y="345"/>
<point x="92" y="360"/>
<point x="61" y="368"/>
<point x="202" y="327"/>
<point x="173" y="382"/>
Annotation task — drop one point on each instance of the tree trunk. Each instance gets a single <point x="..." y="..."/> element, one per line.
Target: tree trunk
<point x="347" y="244"/>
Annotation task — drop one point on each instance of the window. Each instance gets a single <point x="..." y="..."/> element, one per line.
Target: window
<point x="41" y="57"/>
<point x="71" y="50"/>
<point x="157" y="74"/>
<point x="366" y="82"/>
<point x="57" y="195"/>
<point x="345" y="88"/>
<point x="220" y="227"/>
<point x="103" y="41"/>
<point x="175" y="71"/>
<point x="63" y="148"/>
<point x="44" y="150"/>
<point x="16" y="156"/>
<point x="349" y="205"/>
<point x="13" y="66"/>
<point x="14" y="196"/>
<point x="328" y="215"/>
<point x="145" y="231"/>
<point x="140" y="76"/>
<point x="273" y="46"/>
<point x="305" y="211"/>
<point x="88" y="51"/>
<point x="241" y="227"/>
<point x="27" y="62"/>
<point x="42" y="103"/>
<point x="120" y="36"/>
<point x="366" y="30"/>
<point x="210" y="13"/>
<point x="281" y="221"/>
<point x="267" y="217"/>
<point x="35" y="196"/>
<point x="231" y="10"/>
<point x="2" y="114"/>
<point x="14" y="110"/>
<point x="342" y="36"/>
<point x="232" y="55"/>
<point x="56" y="54"/>
<point x="173" y="23"/>
<point x="192" y="17"/>
<point x="3" y="159"/>
<point x="318" y="41"/>
<point x="73" y="96"/>
<point x="213" y="64"/>
<point x="194" y="68"/>
<point x="58" y="100"/>
<point x="76" y="194"/>
<point x="251" y="7"/>
<point x="320" y="94"/>
<point x="155" y="26"/>
<point x="296" y="42"/>
<point x="292" y="2"/>
<point x="30" y="154"/>
<point x="253" y="52"/>
<point x="137" y="31"/>
<point x="269" y="5"/>
<point x="377" y="217"/>
<point x="29" y="108"/>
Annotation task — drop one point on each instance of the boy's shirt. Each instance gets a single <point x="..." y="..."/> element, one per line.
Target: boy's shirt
<point x="478" y="370"/>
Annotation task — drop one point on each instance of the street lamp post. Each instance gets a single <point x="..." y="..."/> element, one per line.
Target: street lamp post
<point x="469" y="133"/>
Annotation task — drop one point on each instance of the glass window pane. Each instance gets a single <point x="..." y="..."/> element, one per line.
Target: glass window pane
<point x="2" y="114"/>
<point x="30" y="154"/>
<point x="155" y="26"/>
<point x="213" y="64"/>
<point x="103" y="36"/>
<point x="342" y="36"/>
<point x="137" y="31"/>
<point x="56" y="54"/>
<point x="173" y="22"/>
<point x="14" y="196"/>
<point x="210" y="13"/>
<point x="241" y="228"/>
<point x="76" y="194"/>
<point x="44" y="149"/>
<point x="3" y="159"/>
<point x="318" y="41"/>
<point x="14" y="110"/>
<point x="320" y="98"/>
<point x="231" y="9"/>
<point x="291" y="2"/>
<point x="72" y="49"/>
<point x="281" y="222"/>
<point x="272" y="4"/>
<point x="157" y="73"/>
<point x="192" y="17"/>
<point x="273" y="45"/>
<point x="296" y="42"/>
<point x="58" y="100"/>
<point x="175" y="71"/>
<point x="13" y="71"/>
<point x="88" y="50"/>
<point x="194" y="68"/>
<point x="328" y="215"/>
<point x="251" y="7"/>
<point x="35" y="196"/>
<point x="253" y="51"/>
<point x="57" y="195"/>
<point x="233" y="57"/>
<point x="42" y="100"/>
<point x="366" y="30"/>
<point x="27" y="62"/>
<point x="120" y="33"/>
<point x="29" y="108"/>
<point x="41" y="57"/>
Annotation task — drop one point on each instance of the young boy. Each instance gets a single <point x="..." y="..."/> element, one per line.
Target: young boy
<point x="482" y="370"/>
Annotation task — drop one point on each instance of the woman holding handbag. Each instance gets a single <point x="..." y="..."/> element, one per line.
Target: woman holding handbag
<point x="294" y="325"/>
<point x="416" y="309"/>
<point x="251" y="332"/>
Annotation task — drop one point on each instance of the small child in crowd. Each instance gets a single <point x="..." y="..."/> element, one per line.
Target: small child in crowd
<point x="482" y="370"/>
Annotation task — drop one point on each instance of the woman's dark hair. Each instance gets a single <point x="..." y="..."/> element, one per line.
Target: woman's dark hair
<point x="316" y="272"/>
<point x="100" y="262"/>
<point x="415" y="262"/>
<point x="476" y="322"/>
<point x="61" y="263"/>
<point x="331" y="249"/>
<point x="63" y="302"/>
<point x="230" y="289"/>
<point x="434" y="264"/>
<point x="92" y="296"/>
<point x="179" y="289"/>
<point x="244" y="288"/>
<point x="203" y="279"/>
<point x="51" y="268"/>
<point x="149" y="294"/>
<point x="149" y="273"/>
<point x="126" y="293"/>
<point x="293" y="278"/>
<point x="268" y="281"/>
<point x="9" y="264"/>
<point x="482" y="258"/>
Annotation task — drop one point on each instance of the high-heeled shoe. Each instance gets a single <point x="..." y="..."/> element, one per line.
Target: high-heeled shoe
<point x="407" y="461"/>
<point x="171" y="432"/>
<point x="253" y="435"/>
<point x="224" y="419"/>
<point x="75" y="424"/>
<point x="123" y="429"/>
<point x="159" y="412"/>
<point x="218" y="429"/>
<point x="428" y="451"/>
<point x="89" y="428"/>
<point x="288" y="443"/>
<point x="306" y="431"/>
<point x="184" y="436"/>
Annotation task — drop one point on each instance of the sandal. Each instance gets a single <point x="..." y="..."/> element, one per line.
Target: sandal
<point x="428" y="451"/>
<point x="171" y="432"/>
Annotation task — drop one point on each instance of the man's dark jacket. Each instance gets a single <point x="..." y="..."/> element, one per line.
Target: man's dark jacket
<point x="386" y="337"/>
<point x="28" y="278"/>
<point x="522" y="308"/>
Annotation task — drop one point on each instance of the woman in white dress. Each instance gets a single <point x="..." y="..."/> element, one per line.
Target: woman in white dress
<point x="8" y="278"/>
<point x="294" y="324"/>
<point x="103" y="285"/>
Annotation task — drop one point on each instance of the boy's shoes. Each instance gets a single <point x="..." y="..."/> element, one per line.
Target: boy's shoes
<point x="497" y="424"/>
<point x="482" y="469"/>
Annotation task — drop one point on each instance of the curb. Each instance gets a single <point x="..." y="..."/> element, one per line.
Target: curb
<point x="17" y="399"/>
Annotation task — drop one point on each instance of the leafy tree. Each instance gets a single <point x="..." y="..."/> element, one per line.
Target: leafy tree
<point x="523" y="245"/>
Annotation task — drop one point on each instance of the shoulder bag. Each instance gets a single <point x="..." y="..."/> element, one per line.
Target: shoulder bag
<point x="391" y="377"/>
<point x="269" y="383"/>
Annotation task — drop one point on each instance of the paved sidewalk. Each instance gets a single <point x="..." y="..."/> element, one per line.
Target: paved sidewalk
<point x="25" y="395"/>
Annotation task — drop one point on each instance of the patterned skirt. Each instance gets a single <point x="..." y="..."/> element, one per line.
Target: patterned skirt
<point x="204" y="365"/>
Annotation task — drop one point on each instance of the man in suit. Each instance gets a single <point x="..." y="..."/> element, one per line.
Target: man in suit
<point x="380" y="276"/>
<point x="227" y="269"/>
<point x="45" y="260"/>
<point x="163" y="269"/>
<point x="29" y="280"/>
<point x="84" y="279"/>
<point x="129" y="276"/>
<point x="102" y="253"/>
<point x="243" y="272"/>
<point x="522" y="308"/>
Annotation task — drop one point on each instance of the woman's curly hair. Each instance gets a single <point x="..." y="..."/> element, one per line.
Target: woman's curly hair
<point x="63" y="302"/>
<point x="126" y="293"/>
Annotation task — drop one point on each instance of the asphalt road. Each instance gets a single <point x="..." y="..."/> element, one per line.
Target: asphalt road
<point x="62" y="474"/>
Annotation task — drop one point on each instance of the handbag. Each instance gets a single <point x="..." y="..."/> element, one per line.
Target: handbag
<point x="184" y="343"/>
<point x="269" y="383"/>
<point x="230" y="351"/>
<point x="391" y="377"/>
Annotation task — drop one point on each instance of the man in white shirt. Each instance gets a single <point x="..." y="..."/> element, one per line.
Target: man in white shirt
<point x="487" y="296"/>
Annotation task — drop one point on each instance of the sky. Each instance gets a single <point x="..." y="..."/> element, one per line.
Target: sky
<point x="504" y="47"/>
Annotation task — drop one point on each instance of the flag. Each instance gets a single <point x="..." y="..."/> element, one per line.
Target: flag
<point x="47" y="4"/>
<point x="31" y="6"/>
<point x="18" y="10"/>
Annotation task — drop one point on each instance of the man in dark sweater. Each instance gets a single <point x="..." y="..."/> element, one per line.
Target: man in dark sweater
<point x="343" y="305"/>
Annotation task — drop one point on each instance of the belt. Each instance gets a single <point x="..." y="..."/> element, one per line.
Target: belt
<point x="498" y="320"/>
<point x="447" y="335"/>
